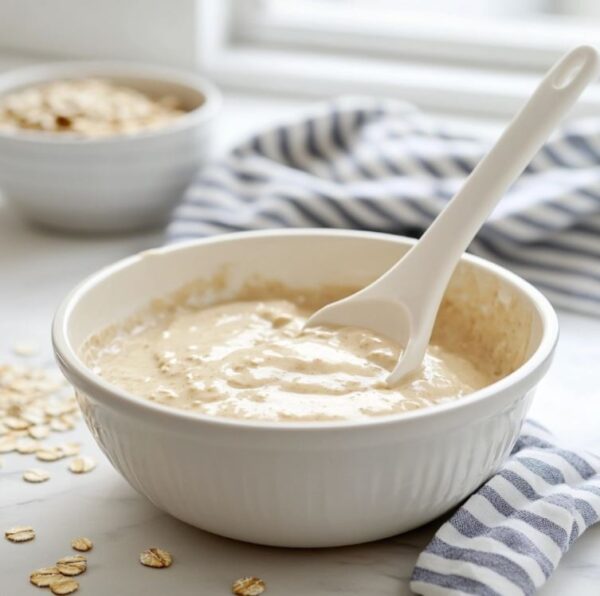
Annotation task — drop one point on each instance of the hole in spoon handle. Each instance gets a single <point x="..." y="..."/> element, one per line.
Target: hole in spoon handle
<point x="575" y="68"/>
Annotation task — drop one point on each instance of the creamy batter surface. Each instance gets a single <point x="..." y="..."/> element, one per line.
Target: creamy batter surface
<point x="248" y="360"/>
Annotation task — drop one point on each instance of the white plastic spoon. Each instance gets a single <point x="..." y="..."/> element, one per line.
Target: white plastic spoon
<point x="402" y="304"/>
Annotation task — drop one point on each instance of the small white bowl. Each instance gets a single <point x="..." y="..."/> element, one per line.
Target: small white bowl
<point x="107" y="184"/>
<point x="299" y="484"/>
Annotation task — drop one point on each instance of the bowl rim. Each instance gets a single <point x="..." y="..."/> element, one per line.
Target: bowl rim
<point x="32" y="74"/>
<point x="98" y="388"/>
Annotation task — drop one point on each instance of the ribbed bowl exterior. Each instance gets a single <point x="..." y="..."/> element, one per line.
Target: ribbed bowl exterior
<point x="353" y="486"/>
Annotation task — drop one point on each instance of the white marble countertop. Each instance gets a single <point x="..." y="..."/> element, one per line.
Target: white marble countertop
<point x="37" y="268"/>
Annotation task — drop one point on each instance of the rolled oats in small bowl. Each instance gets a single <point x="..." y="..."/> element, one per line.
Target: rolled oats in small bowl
<point x="102" y="146"/>
<point x="85" y="108"/>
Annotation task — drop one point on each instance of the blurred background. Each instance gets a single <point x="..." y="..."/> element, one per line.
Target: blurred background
<point x="468" y="62"/>
<point x="473" y="58"/>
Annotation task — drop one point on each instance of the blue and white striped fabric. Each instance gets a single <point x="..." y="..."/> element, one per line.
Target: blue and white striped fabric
<point x="384" y="166"/>
<point x="507" y="538"/>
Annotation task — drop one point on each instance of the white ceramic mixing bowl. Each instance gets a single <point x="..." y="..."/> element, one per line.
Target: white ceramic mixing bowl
<point x="115" y="183"/>
<point x="297" y="484"/>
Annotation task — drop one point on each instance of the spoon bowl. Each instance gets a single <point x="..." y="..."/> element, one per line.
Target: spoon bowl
<point x="385" y="317"/>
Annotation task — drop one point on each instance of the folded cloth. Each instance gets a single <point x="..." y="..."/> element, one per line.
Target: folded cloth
<point x="384" y="166"/>
<point x="509" y="536"/>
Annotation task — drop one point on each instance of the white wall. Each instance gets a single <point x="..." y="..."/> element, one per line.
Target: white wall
<point x="159" y="31"/>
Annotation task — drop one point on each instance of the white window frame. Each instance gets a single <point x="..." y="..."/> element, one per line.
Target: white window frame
<point x="488" y="74"/>
<point x="325" y="61"/>
<point x="158" y="31"/>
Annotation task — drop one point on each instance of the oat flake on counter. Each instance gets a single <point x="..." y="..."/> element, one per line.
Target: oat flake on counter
<point x="39" y="431"/>
<point x="50" y="454"/>
<point x="26" y="348"/>
<point x="20" y="534"/>
<point x="72" y="565"/>
<point x="70" y="449"/>
<point x="36" y="475"/>
<point x="7" y="444"/>
<point x="27" y="445"/>
<point x="248" y="586"/>
<point x="42" y="578"/>
<point x="64" y="586"/>
<point x="82" y="544"/>
<point x="33" y="404"/>
<point x="82" y="465"/>
<point x="156" y="557"/>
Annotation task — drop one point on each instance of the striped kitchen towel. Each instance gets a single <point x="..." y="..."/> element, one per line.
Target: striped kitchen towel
<point x="508" y="537"/>
<point x="384" y="166"/>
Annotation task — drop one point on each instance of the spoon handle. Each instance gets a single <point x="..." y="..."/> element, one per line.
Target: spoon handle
<point x="451" y="233"/>
<point x="431" y="262"/>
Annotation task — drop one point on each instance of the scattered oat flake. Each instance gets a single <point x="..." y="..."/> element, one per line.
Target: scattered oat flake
<point x="58" y="408"/>
<point x="50" y="454"/>
<point x="69" y="420"/>
<point x="82" y="544"/>
<point x="34" y="416"/>
<point x="64" y="586"/>
<point x="35" y="475"/>
<point x="7" y="444"/>
<point x="59" y="425"/>
<point x="15" y="423"/>
<point x="72" y="565"/>
<point x="70" y="449"/>
<point x="81" y="465"/>
<point x="20" y="534"/>
<point x="248" y="586"/>
<point x="39" y="431"/>
<point x="156" y="557"/>
<point x="26" y="348"/>
<point x="26" y="445"/>
<point x="43" y="577"/>
<point x="30" y="400"/>
<point x="19" y="434"/>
